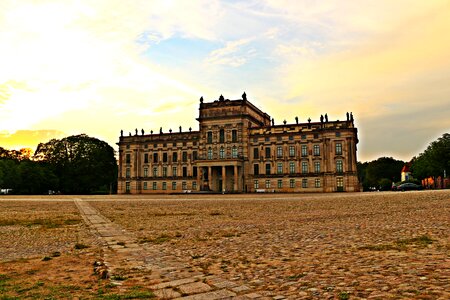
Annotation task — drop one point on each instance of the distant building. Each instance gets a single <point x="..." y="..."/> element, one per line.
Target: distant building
<point x="238" y="148"/>
<point x="406" y="173"/>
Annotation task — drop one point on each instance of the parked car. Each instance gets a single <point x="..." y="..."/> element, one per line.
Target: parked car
<point x="409" y="187"/>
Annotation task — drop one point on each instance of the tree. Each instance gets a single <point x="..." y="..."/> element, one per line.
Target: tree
<point x="83" y="164"/>
<point x="380" y="173"/>
<point x="434" y="160"/>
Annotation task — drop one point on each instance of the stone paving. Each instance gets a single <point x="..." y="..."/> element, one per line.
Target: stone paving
<point x="165" y="274"/>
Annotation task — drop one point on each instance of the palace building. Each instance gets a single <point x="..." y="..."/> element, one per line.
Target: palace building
<point x="238" y="148"/>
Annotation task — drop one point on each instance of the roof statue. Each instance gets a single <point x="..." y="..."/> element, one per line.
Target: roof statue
<point x="244" y="96"/>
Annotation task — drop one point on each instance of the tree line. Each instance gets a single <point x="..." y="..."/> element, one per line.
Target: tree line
<point x="433" y="162"/>
<point x="76" y="164"/>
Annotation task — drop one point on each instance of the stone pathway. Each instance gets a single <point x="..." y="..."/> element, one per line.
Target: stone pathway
<point x="168" y="277"/>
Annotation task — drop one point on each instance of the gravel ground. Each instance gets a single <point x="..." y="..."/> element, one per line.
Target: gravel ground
<point x="377" y="245"/>
<point x="362" y="245"/>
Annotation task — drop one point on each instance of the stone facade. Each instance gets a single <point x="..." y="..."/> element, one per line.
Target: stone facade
<point x="238" y="149"/>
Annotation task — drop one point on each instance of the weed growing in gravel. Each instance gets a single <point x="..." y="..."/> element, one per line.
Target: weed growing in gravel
<point x="161" y="239"/>
<point x="80" y="246"/>
<point x="344" y="296"/>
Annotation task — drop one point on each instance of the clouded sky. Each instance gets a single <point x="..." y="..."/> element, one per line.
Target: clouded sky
<point x="96" y="67"/>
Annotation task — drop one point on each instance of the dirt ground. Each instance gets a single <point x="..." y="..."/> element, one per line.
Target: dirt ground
<point x="336" y="246"/>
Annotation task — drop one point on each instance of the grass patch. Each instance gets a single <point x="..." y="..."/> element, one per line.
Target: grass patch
<point x="402" y="244"/>
<point x="118" y="277"/>
<point x="45" y="223"/>
<point x="344" y="296"/>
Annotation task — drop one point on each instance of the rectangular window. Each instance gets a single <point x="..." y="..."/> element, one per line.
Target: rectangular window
<point x="222" y="136"/>
<point x="317" y="183"/>
<point x="174" y="171"/>
<point x="292" y="167"/>
<point x="255" y="153"/>
<point x="292" y="183"/>
<point x="128" y="158"/>
<point x="127" y="187"/>
<point x="174" y="185"/>
<point x="234" y="152"/>
<point x="267" y="184"/>
<point x="146" y="158"/>
<point x="194" y="171"/>
<point x="267" y="152"/>
<point x="303" y="136"/>
<point x="145" y="172"/>
<point x="280" y="151"/>
<point x="221" y="153"/>
<point x="127" y="173"/>
<point x="256" y="169"/>
<point x="210" y="154"/>
<point x="304" y="167"/>
<point x="304" y="150"/>
<point x="339" y="166"/>
<point x="279" y="138"/>
<point x="316" y="150"/>
<point x="291" y="150"/>
<point x="304" y="183"/>
<point x="164" y="172"/>
<point x="155" y="171"/>
<point x="184" y="185"/>
<point x="279" y="168"/>
<point x="194" y="155"/>
<point x="234" y="135"/>
<point x="154" y="185"/>
<point x="291" y="137"/>
<point x="340" y="182"/>
<point x="338" y="148"/>
<point x="266" y="139"/>
<point x="184" y="156"/>
<point x="194" y="185"/>
<point x="209" y="137"/>
<point x="317" y="166"/>
<point x="145" y="185"/>
<point x="279" y="183"/>
<point x="256" y="184"/>
<point x="316" y="135"/>
<point x="267" y="169"/>
<point x="174" y="157"/>
<point x="164" y="157"/>
<point x="155" y="157"/>
<point x="338" y="134"/>
<point x="164" y="185"/>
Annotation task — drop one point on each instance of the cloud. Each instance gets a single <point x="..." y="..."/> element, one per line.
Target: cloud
<point x="231" y="54"/>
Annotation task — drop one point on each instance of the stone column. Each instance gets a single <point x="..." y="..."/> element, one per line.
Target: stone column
<point x="235" y="178"/>
<point x="224" y="179"/>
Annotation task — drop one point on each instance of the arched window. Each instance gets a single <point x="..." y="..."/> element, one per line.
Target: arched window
<point x="222" y="153"/>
